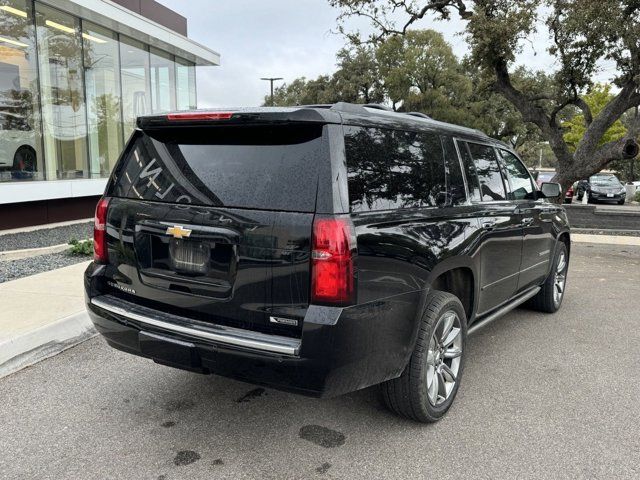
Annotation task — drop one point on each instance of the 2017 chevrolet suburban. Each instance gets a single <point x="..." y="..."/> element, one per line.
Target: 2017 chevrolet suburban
<point x="320" y="249"/>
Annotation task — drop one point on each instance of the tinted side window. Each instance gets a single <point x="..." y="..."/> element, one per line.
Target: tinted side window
<point x="470" y="172"/>
<point x="455" y="179"/>
<point x="488" y="171"/>
<point x="390" y="169"/>
<point x="518" y="176"/>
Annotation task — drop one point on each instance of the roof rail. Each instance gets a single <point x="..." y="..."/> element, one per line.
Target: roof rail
<point x="348" y="107"/>
<point x="378" y="106"/>
<point x="419" y="114"/>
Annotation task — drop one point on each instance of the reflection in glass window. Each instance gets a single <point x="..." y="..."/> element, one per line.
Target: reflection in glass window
<point x="63" y="108"/>
<point x="470" y="171"/>
<point x="102" y="79"/>
<point x="488" y="171"/>
<point x="163" y="81"/>
<point x="185" y="84"/>
<point x="20" y="139"/>
<point x="520" y="183"/>
<point x="391" y="169"/>
<point x="134" y="58"/>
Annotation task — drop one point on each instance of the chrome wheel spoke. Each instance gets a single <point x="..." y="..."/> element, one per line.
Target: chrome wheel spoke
<point x="431" y="357"/>
<point x="444" y="358"/>
<point x="447" y="373"/>
<point x="447" y="326"/>
<point x="453" y="334"/>
<point x="561" y="263"/>
<point x="442" y="387"/>
<point x="432" y="388"/>
<point x="452" y="352"/>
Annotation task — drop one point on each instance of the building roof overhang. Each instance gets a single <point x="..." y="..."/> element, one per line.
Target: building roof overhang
<point x="115" y="17"/>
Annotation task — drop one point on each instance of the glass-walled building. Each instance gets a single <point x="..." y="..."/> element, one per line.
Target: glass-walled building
<point x="74" y="76"/>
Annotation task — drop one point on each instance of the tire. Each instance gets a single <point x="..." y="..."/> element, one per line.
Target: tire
<point x="549" y="298"/>
<point x="621" y="202"/>
<point x="25" y="163"/>
<point x="412" y="394"/>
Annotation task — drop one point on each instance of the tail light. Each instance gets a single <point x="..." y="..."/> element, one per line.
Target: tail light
<point x="332" y="261"/>
<point x="100" y="253"/>
<point x="185" y="116"/>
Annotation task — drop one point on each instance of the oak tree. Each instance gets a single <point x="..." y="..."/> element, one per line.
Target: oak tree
<point x="582" y="34"/>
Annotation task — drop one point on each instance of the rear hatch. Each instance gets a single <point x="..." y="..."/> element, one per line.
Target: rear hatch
<point x="214" y="222"/>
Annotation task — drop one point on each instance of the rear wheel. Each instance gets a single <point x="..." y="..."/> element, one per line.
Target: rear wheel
<point x="549" y="298"/>
<point x="427" y="387"/>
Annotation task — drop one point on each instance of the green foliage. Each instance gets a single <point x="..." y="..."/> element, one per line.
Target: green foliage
<point x="583" y="34"/>
<point x="81" y="248"/>
<point x="599" y="96"/>
<point x="418" y="72"/>
<point x="637" y="197"/>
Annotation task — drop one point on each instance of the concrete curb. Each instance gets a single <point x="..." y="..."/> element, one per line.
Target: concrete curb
<point x="605" y="239"/>
<point x="32" y="252"/>
<point x="32" y="347"/>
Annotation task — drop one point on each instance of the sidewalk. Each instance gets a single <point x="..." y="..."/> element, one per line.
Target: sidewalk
<point x="42" y="315"/>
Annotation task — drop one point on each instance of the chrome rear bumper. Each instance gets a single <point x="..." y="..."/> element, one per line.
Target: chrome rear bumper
<point x="143" y="317"/>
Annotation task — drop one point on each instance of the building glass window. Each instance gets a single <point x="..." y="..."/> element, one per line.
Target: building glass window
<point x="102" y="79"/>
<point x="20" y="130"/>
<point x="185" y="84"/>
<point x="136" y="87"/>
<point x="64" y="114"/>
<point x="163" y="81"/>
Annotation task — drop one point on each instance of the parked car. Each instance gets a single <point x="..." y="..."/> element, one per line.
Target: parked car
<point x="603" y="187"/>
<point x="17" y="146"/>
<point x="543" y="177"/>
<point x="320" y="250"/>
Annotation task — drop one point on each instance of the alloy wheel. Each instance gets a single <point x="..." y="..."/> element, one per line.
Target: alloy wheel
<point x="443" y="358"/>
<point x="560" y="278"/>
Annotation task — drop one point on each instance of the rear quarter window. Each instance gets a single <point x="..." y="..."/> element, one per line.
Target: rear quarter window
<point x="391" y="169"/>
<point x="268" y="168"/>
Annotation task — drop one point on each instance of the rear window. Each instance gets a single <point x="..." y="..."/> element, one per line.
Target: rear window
<point x="268" y="168"/>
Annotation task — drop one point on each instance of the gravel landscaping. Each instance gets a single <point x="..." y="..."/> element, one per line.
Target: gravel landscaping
<point x="46" y="237"/>
<point x="14" y="269"/>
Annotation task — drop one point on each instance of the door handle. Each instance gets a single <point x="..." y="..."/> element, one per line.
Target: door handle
<point x="527" y="221"/>
<point x="488" y="225"/>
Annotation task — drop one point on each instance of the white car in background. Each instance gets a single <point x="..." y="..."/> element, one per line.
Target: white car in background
<point x="17" y="146"/>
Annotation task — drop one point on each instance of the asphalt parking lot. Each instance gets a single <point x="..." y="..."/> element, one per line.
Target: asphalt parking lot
<point x="543" y="396"/>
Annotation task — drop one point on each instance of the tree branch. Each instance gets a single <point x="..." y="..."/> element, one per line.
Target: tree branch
<point x="532" y="113"/>
<point x="627" y="98"/>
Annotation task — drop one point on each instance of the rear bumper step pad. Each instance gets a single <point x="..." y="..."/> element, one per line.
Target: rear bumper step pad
<point x="167" y="322"/>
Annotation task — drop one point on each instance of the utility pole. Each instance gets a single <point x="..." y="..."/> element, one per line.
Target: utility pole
<point x="271" y="80"/>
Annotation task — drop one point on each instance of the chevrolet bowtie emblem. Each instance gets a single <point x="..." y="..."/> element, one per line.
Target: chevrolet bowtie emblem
<point x="178" y="232"/>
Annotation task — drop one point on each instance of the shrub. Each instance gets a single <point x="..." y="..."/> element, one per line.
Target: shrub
<point x="637" y="197"/>
<point x="84" y="247"/>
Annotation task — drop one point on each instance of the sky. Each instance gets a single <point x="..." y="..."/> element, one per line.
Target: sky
<point x="289" y="39"/>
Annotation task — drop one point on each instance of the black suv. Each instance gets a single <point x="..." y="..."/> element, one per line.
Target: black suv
<point x="320" y="249"/>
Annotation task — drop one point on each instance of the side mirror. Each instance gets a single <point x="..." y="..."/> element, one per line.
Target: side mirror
<point x="551" y="190"/>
